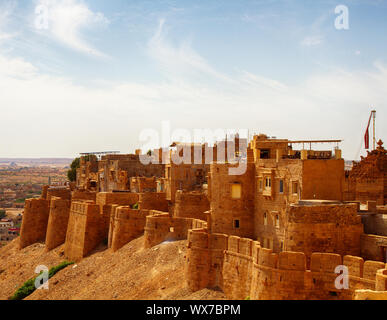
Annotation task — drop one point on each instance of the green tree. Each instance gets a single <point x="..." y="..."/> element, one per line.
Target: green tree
<point x="2" y="214"/>
<point x="72" y="173"/>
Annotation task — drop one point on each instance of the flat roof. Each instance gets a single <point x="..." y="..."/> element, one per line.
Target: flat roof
<point x="315" y="141"/>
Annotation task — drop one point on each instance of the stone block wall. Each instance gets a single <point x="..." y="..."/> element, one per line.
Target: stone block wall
<point x="85" y="230"/>
<point x="252" y="271"/>
<point x="371" y="247"/>
<point x="34" y="224"/>
<point x="231" y="214"/>
<point x="375" y="223"/>
<point x="323" y="179"/>
<point x="59" y="192"/>
<point x="120" y="198"/>
<point x="381" y="280"/>
<point x="161" y="227"/>
<point x="127" y="225"/>
<point x="198" y="260"/>
<point x="323" y="228"/>
<point x="57" y="222"/>
<point x="237" y="268"/>
<point x="143" y="184"/>
<point x="191" y="205"/>
<point x="83" y="195"/>
<point x="153" y="201"/>
<point x="370" y="295"/>
<point x="291" y="279"/>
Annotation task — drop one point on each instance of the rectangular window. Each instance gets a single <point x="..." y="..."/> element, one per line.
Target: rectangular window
<point x="281" y="186"/>
<point x="268" y="183"/>
<point x="260" y="184"/>
<point x="236" y="191"/>
<point x="265" y="153"/>
<point x="295" y="187"/>
<point x="277" y="224"/>
<point x="236" y="224"/>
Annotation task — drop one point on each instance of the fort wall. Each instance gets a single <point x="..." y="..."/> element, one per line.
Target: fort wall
<point x="375" y="223"/>
<point x="63" y="193"/>
<point x="204" y="260"/>
<point x="85" y="230"/>
<point x="34" y="224"/>
<point x="120" y="198"/>
<point x="44" y="192"/>
<point x="191" y="205"/>
<point x="160" y="227"/>
<point x="83" y="195"/>
<point x="373" y="247"/>
<point x="143" y="184"/>
<point x="323" y="228"/>
<point x="370" y="295"/>
<point x="127" y="225"/>
<point x="57" y="222"/>
<point x="252" y="271"/>
<point x="381" y="280"/>
<point x="153" y="201"/>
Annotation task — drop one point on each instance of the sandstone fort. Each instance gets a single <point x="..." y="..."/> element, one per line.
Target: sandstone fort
<point x="289" y="227"/>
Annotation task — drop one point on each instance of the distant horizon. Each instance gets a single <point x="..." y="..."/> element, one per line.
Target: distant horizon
<point x="69" y="158"/>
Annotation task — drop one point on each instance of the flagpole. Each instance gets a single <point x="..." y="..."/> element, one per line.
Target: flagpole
<point x="374" y="117"/>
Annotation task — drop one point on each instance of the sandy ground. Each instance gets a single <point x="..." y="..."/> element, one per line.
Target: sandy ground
<point x="131" y="273"/>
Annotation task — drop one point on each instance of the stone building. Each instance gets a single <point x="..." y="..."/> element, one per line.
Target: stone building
<point x="368" y="178"/>
<point x="263" y="220"/>
<point x="113" y="172"/>
<point x="257" y="204"/>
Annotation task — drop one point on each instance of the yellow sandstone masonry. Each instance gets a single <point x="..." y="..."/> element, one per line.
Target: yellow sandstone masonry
<point x="34" y="224"/>
<point x="57" y="222"/>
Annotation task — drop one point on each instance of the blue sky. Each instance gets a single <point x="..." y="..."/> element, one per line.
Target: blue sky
<point x="102" y="71"/>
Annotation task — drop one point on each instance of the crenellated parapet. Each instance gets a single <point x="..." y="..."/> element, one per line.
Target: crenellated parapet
<point x="248" y="270"/>
<point x="323" y="228"/>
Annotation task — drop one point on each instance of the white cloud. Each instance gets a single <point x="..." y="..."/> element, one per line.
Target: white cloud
<point x="179" y="60"/>
<point x="67" y="19"/>
<point x="6" y="11"/>
<point x="16" y="67"/>
<point x="312" y="41"/>
<point x="46" y="115"/>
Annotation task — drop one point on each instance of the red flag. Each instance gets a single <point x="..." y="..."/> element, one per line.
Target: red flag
<point x="367" y="135"/>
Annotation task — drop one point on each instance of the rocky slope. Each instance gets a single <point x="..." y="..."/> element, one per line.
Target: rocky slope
<point x="130" y="273"/>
